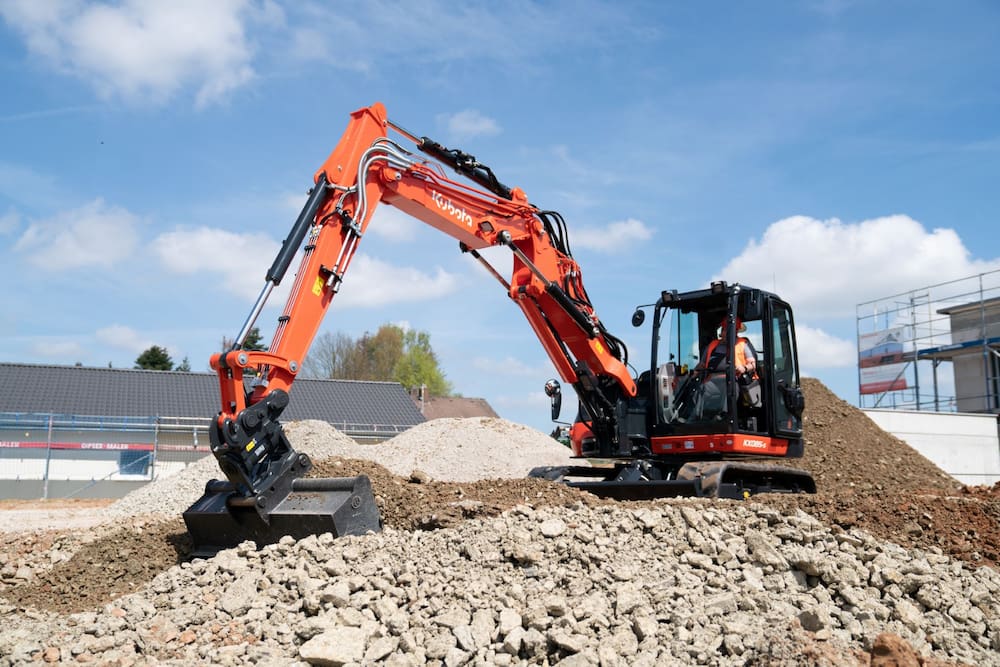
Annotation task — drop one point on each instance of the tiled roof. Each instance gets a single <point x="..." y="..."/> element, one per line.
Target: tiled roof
<point x="115" y="392"/>
<point x="446" y="406"/>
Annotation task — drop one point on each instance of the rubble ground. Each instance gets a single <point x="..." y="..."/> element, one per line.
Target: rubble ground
<point x="875" y="492"/>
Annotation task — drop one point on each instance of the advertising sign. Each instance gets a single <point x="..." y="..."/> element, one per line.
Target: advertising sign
<point x="883" y="361"/>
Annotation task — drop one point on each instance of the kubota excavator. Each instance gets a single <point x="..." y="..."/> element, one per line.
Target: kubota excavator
<point x="681" y="427"/>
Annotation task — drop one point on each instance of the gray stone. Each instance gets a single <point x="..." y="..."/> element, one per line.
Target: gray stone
<point x="553" y="527"/>
<point x="337" y="646"/>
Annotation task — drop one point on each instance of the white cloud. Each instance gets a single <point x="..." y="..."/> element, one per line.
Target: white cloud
<point x="95" y="234"/>
<point x="123" y="338"/>
<point x="536" y="401"/>
<point x="368" y="283"/>
<point x="509" y="366"/>
<point x="514" y="35"/>
<point x="27" y="187"/>
<point x="292" y="203"/>
<point x="392" y="224"/>
<point x="468" y="124"/>
<point x="824" y="268"/>
<point x="819" y="349"/>
<point x="617" y="236"/>
<point x="141" y="51"/>
<point x="234" y="256"/>
<point x="314" y="44"/>
<point x="372" y="283"/>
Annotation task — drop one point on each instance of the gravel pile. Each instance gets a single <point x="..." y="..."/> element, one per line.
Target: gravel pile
<point x="458" y="450"/>
<point x="469" y="449"/>
<point x="679" y="582"/>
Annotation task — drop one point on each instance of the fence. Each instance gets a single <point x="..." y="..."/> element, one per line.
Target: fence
<point x="45" y="455"/>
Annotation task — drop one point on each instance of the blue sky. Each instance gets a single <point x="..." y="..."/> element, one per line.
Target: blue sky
<point x="154" y="155"/>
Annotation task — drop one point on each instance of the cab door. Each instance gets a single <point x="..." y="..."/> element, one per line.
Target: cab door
<point x="782" y="379"/>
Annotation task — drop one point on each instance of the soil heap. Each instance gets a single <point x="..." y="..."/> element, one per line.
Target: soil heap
<point x="869" y="479"/>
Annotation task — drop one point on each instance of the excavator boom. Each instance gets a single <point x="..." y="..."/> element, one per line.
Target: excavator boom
<point x="365" y="169"/>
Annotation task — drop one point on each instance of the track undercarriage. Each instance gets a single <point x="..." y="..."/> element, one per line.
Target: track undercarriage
<point x="643" y="479"/>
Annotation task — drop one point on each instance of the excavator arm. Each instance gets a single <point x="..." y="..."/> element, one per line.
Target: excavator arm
<point x="366" y="169"/>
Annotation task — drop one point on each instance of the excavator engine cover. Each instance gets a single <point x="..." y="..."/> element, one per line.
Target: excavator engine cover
<point x="339" y="505"/>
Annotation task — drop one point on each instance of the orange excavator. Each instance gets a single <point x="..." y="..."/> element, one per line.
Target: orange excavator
<point x="683" y="426"/>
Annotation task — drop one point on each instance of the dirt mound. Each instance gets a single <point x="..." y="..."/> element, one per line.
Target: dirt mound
<point x="847" y="451"/>
<point x="117" y="562"/>
<point x="420" y="503"/>
<point x="121" y="560"/>
<point x="869" y="479"/>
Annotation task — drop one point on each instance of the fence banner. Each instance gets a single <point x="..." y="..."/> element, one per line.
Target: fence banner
<point x="102" y="446"/>
<point x="882" y="360"/>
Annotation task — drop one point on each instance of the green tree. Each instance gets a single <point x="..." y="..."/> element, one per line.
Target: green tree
<point x="184" y="366"/>
<point x="381" y="353"/>
<point x="155" y="358"/>
<point x="419" y="366"/>
<point x="254" y="340"/>
<point x="389" y="355"/>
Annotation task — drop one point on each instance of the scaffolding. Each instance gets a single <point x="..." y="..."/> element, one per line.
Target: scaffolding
<point x="936" y="348"/>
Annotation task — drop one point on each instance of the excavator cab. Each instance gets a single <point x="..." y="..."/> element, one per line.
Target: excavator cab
<point x="701" y="402"/>
<point x="696" y="423"/>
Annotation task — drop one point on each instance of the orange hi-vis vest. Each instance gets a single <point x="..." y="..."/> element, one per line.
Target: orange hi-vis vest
<point x="715" y="355"/>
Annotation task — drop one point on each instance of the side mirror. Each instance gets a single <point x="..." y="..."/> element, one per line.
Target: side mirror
<point x="794" y="398"/>
<point x="638" y="317"/>
<point x="554" y="391"/>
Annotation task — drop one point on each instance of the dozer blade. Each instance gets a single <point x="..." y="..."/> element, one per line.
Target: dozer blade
<point x="221" y="518"/>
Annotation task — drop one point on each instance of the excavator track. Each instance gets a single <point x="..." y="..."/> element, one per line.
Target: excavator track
<point x="637" y="480"/>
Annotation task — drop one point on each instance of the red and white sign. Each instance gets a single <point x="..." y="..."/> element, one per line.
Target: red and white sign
<point x="101" y="446"/>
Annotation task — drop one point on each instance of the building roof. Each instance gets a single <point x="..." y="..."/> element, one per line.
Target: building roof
<point x="984" y="304"/>
<point x="437" y="407"/>
<point x="116" y="392"/>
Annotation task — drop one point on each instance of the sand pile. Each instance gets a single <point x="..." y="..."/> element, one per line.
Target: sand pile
<point x="464" y="450"/>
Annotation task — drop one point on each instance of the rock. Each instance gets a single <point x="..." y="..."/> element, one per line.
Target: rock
<point x="337" y="646"/>
<point x="509" y="619"/>
<point x="553" y="527"/>
<point x="238" y="595"/>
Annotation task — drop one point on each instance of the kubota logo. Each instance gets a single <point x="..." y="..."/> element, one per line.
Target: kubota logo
<point x="447" y="206"/>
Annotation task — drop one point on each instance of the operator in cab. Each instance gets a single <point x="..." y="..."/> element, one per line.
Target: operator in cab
<point x="712" y="367"/>
<point x="745" y="357"/>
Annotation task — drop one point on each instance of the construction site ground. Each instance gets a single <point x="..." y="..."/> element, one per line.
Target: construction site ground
<point x="63" y="556"/>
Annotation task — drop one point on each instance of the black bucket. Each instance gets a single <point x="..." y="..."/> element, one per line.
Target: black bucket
<point x="222" y="519"/>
